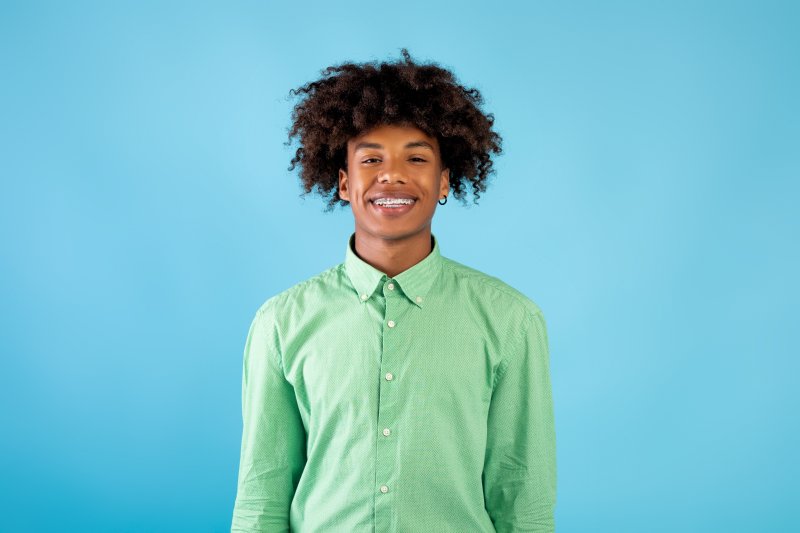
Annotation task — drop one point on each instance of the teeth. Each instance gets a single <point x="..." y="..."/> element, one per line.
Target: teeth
<point x="390" y="201"/>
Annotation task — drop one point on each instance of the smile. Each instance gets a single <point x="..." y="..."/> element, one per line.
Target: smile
<point x="393" y="207"/>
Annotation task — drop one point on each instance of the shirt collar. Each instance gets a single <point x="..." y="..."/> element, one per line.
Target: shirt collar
<point x="415" y="282"/>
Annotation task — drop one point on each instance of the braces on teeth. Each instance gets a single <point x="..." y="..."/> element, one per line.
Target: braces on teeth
<point x="393" y="201"/>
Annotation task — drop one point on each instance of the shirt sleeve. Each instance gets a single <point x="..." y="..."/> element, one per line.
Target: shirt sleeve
<point x="273" y="451"/>
<point x="519" y="475"/>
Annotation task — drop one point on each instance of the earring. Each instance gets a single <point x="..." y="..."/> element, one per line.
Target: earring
<point x="445" y="201"/>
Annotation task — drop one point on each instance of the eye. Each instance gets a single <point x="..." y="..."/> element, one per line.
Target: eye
<point x="418" y="159"/>
<point x="370" y="159"/>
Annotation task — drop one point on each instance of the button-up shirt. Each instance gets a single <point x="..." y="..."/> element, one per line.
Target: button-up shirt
<point x="414" y="403"/>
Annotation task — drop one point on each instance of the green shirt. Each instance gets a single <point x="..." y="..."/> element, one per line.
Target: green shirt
<point x="418" y="403"/>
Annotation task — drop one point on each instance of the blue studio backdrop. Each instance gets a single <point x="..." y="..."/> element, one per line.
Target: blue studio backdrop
<point x="646" y="200"/>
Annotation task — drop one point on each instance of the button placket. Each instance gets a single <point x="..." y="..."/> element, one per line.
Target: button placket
<point x="391" y="355"/>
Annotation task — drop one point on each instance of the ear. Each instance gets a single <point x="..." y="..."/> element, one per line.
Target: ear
<point x="344" y="193"/>
<point x="444" y="187"/>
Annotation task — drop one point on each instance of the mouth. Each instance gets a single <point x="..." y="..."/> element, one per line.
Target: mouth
<point x="393" y="207"/>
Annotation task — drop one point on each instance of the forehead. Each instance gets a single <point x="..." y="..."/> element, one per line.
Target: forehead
<point x="393" y="135"/>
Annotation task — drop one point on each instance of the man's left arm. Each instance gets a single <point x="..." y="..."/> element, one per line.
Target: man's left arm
<point x="519" y="474"/>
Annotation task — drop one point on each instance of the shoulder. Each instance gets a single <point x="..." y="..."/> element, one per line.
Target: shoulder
<point x="499" y="292"/>
<point x="297" y="293"/>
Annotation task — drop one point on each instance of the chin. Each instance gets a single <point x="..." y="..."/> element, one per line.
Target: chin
<point x="396" y="232"/>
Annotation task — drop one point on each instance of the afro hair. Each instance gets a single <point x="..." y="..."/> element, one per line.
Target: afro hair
<point x="350" y="99"/>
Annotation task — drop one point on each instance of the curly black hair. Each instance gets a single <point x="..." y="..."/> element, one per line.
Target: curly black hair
<point x="350" y="99"/>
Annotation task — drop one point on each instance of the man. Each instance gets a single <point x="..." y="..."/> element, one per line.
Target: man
<point x="399" y="391"/>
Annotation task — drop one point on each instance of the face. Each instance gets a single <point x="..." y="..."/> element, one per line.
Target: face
<point x="400" y="164"/>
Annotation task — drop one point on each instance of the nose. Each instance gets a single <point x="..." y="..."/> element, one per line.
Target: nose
<point x="390" y="173"/>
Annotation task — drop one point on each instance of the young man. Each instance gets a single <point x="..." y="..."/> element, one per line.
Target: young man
<point x="398" y="391"/>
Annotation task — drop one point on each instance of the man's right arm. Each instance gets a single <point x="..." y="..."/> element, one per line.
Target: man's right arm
<point x="273" y="436"/>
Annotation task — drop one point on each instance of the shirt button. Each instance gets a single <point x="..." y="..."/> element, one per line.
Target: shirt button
<point x="389" y="376"/>
<point x="364" y="296"/>
<point x="386" y="432"/>
<point x="384" y="489"/>
<point x="391" y="286"/>
<point x="390" y="323"/>
<point x="419" y="299"/>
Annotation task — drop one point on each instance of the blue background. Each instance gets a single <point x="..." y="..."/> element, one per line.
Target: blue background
<point x="646" y="200"/>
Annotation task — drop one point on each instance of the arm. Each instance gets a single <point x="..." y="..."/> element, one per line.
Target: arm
<point x="519" y="475"/>
<point x="273" y="437"/>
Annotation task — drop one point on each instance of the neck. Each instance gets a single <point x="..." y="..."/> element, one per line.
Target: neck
<point x="393" y="256"/>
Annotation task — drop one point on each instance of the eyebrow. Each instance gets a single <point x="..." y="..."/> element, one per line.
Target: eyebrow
<point x="413" y="144"/>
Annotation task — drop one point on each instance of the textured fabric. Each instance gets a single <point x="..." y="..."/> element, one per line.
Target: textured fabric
<point x="419" y="403"/>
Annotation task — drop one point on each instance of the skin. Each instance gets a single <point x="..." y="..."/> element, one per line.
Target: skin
<point x="393" y="244"/>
